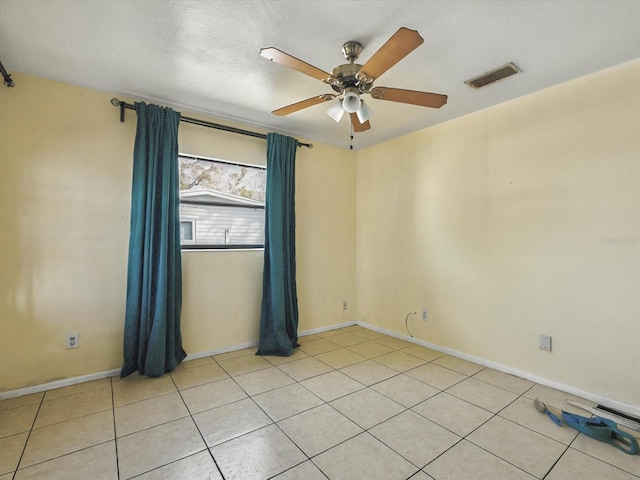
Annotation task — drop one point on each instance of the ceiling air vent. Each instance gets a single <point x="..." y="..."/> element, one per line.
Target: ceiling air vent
<point x="493" y="76"/>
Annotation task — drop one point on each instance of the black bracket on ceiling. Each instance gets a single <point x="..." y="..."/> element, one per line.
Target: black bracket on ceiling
<point x="7" y="78"/>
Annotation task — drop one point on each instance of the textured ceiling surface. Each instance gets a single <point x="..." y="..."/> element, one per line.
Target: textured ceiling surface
<point x="203" y="55"/>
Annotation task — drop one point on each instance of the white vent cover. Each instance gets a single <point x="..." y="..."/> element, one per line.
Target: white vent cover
<point x="493" y="76"/>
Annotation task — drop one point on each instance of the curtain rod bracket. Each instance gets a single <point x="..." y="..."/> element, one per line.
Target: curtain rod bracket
<point x="8" y="81"/>
<point x="119" y="103"/>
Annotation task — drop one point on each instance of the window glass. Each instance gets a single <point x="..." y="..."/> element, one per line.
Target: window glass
<point x="187" y="231"/>
<point x="222" y="202"/>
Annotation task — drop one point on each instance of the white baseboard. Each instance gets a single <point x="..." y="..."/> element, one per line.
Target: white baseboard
<point x="599" y="399"/>
<point x="112" y="373"/>
<point x="58" y="384"/>
<point x="109" y="373"/>
<point x="620" y="406"/>
<point x="326" y="329"/>
<point x="218" y="351"/>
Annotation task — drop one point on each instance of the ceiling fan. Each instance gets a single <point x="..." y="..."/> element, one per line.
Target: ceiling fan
<point x="350" y="80"/>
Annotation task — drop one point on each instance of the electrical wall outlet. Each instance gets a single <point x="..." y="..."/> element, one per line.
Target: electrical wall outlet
<point x="424" y="314"/>
<point x="73" y="340"/>
<point x="344" y="305"/>
<point x="545" y="342"/>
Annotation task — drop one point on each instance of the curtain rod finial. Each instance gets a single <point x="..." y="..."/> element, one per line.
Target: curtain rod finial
<point x="115" y="102"/>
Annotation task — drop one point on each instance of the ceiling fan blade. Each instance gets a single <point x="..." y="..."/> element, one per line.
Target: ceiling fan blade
<point x="401" y="44"/>
<point x="309" y="102"/>
<point x="423" y="99"/>
<point x="287" y="60"/>
<point x="357" y="126"/>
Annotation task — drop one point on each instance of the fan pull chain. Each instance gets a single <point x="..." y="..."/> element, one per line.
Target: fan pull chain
<point x="351" y="137"/>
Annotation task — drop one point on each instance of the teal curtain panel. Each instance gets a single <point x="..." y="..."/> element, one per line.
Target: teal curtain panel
<point x="152" y="339"/>
<point x="279" y="314"/>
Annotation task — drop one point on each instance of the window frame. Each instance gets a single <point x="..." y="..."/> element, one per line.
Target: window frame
<point x="192" y="240"/>
<point x="192" y="245"/>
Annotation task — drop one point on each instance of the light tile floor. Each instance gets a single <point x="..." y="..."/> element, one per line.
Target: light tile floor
<point x="349" y="404"/>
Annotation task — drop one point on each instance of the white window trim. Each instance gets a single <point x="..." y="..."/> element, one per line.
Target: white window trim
<point x="190" y="241"/>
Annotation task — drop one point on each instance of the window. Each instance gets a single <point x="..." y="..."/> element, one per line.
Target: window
<point x="187" y="231"/>
<point x="221" y="203"/>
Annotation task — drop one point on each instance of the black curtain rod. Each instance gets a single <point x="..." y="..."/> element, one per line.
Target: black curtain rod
<point x="119" y="103"/>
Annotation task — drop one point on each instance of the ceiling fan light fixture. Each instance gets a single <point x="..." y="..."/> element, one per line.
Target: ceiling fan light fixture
<point x="336" y="111"/>
<point x="351" y="80"/>
<point x="364" y="113"/>
<point x="351" y="102"/>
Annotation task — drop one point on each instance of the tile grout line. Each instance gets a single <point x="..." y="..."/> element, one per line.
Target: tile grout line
<point x="115" y="430"/>
<point x="557" y="460"/>
<point x="24" y="449"/>
<point x="406" y="409"/>
<point x="365" y="387"/>
<point x="493" y="415"/>
<point x="521" y="395"/>
<point x="206" y="446"/>
<point x="567" y="446"/>
<point x="410" y="409"/>
<point x="369" y="387"/>
<point x="307" y="458"/>
<point x="461" y="438"/>
<point x="41" y="403"/>
<point x="503" y="459"/>
<point x="324" y="403"/>
<point x="596" y="458"/>
<point x="73" y="418"/>
<point x="367" y="430"/>
<point x="273" y="422"/>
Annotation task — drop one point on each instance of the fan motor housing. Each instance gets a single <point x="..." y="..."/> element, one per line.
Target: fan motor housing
<point x="346" y="73"/>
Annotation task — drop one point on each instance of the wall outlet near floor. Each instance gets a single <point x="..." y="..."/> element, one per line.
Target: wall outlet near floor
<point x="344" y="305"/>
<point x="545" y="342"/>
<point x="424" y="314"/>
<point x="73" y="340"/>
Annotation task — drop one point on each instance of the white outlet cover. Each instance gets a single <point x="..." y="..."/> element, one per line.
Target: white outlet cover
<point x="73" y="340"/>
<point x="545" y="342"/>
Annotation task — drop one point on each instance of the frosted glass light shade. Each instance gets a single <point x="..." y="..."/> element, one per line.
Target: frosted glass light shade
<point x="336" y="111"/>
<point x="351" y="102"/>
<point x="363" y="113"/>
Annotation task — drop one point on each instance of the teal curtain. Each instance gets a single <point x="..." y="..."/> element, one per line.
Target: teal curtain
<point x="279" y="315"/>
<point x="152" y="339"/>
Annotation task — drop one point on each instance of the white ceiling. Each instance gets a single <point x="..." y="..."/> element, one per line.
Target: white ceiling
<point x="202" y="55"/>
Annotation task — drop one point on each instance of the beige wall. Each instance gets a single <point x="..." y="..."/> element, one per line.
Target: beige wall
<point x="512" y="222"/>
<point x="64" y="203"/>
